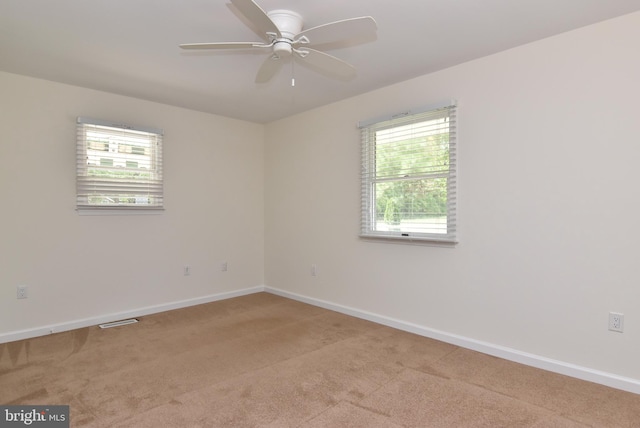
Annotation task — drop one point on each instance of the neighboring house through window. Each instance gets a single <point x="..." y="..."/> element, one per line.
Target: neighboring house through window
<point x="118" y="167"/>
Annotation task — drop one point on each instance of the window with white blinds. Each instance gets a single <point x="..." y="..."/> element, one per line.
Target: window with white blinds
<point x="409" y="175"/>
<point x="118" y="167"/>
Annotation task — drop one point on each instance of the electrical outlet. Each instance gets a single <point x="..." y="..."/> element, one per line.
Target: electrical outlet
<point x="224" y="266"/>
<point x="616" y="322"/>
<point x="22" y="292"/>
<point x="186" y="270"/>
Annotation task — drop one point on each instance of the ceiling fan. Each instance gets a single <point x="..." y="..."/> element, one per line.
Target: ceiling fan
<point x="283" y="37"/>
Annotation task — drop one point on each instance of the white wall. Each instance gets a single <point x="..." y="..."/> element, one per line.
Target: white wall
<point x="549" y="144"/>
<point x="79" y="267"/>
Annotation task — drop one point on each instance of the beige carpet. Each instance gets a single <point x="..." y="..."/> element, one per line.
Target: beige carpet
<point x="262" y="360"/>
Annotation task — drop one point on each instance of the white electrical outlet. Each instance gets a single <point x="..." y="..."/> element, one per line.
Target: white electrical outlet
<point x="186" y="270"/>
<point x="22" y="292"/>
<point x="616" y="322"/>
<point x="224" y="266"/>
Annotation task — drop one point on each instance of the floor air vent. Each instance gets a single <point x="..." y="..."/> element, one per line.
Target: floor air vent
<point x="118" y="323"/>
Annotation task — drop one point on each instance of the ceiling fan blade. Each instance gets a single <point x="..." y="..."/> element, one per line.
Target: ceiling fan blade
<point x="324" y="62"/>
<point x="223" y="45"/>
<point x="340" y="30"/>
<point x="268" y="69"/>
<point x="257" y="16"/>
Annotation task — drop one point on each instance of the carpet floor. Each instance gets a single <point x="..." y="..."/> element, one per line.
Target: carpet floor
<point x="265" y="361"/>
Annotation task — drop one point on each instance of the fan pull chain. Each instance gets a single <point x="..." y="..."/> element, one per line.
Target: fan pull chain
<point x="293" y="83"/>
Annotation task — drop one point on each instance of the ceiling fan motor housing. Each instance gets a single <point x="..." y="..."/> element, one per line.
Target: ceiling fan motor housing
<point x="288" y="22"/>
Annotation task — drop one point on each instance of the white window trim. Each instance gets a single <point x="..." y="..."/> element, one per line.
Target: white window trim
<point x="367" y="231"/>
<point x="84" y="182"/>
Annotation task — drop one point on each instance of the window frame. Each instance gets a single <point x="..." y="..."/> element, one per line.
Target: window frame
<point x="115" y="156"/>
<point x="371" y="177"/>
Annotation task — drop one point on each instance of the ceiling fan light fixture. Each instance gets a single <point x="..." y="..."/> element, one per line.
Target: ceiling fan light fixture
<point x="282" y="48"/>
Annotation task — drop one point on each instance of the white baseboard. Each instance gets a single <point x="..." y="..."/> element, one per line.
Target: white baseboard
<point x="148" y="310"/>
<point x="561" y="367"/>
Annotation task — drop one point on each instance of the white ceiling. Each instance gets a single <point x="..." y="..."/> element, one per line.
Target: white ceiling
<point x="130" y="47"/>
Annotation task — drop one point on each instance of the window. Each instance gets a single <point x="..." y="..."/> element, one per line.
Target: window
<point x="409" y="175"/>
<point x="118" y="167"/>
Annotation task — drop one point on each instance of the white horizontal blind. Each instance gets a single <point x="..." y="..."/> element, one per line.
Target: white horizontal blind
<point x="409" y="176"/>
<point x="118" y="167"/>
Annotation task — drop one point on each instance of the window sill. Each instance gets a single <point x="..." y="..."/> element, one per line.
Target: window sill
<point x="415" y="240"/>
<point x="119" y="211"/>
